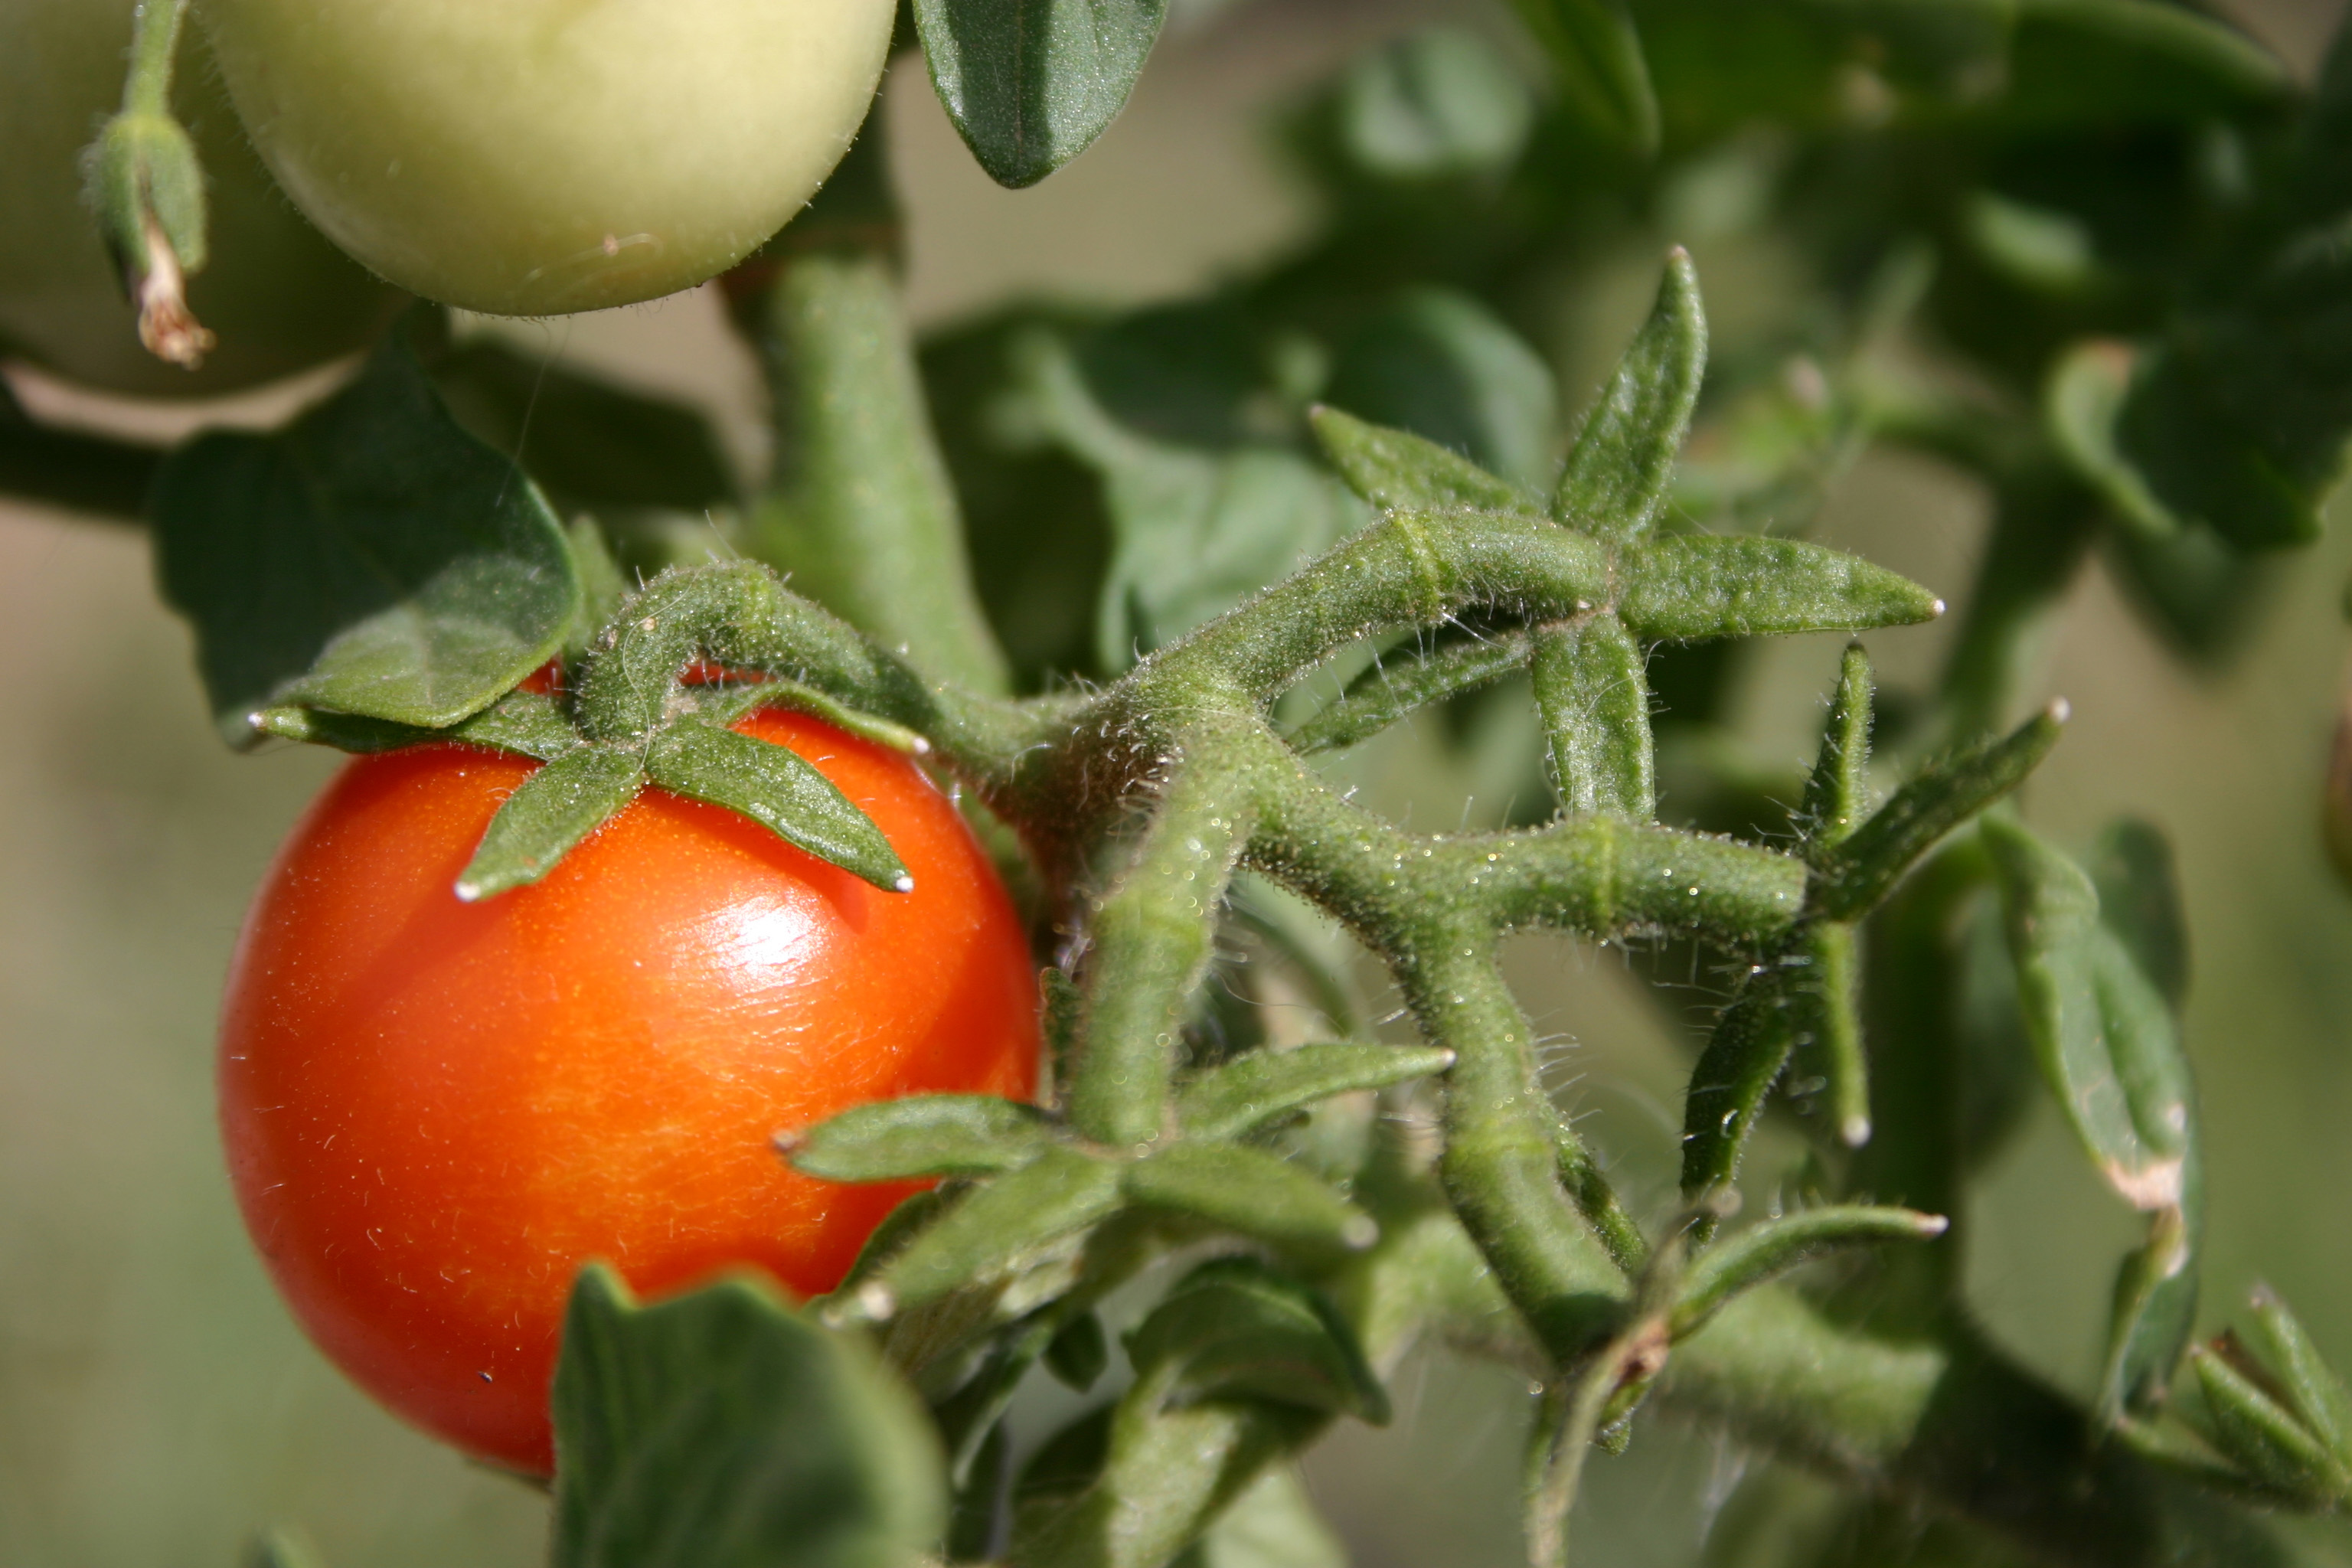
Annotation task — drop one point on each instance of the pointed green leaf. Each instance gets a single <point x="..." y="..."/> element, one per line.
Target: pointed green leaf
<point x="1851" y="879"/>
<point x="2140" y="900"/>
<point x="1438" y="103"/>
<point x="721" y="706"/>
<point x="370" y="558"/>
<point x="1251" y="1090"/>
<point x="1829" y="997"/>
<point x="1030" y="83"/>
<point x="1079" y="1353"/>
<point x="1622" y="465"/>
<point x="2106" y="1042"/>
<point x="1593" y="691"/>
<point x="2317" y="1394"/>
<point x="1766" y="1251"/>
<point x="925" y="1135"/>
<point x="1588" y="1189"/>
<point x="1252" y="1193"/>
<point x="1393" y="468"/>
<point x="548" y="813"/>
<point x="779" y="790"/>
<point x="524" y="722"/>
<point x="1739" y="586"/>
<point x="721" y="1430"/>
<point x="1438" y="362"/>
<point x="2245" y="1423"/>
<point x="1836" y="792"/>
<point x="1597" y="58"/>
<point x="1743" y="1058"/>
<point x="1390" y="690"/>
<point x="997" y="1229"/>
<point x="1235" y="1327"/>
<point x="2081" y="403"/>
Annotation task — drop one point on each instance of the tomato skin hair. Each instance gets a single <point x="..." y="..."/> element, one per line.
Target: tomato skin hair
<point x="434" y="1112"/>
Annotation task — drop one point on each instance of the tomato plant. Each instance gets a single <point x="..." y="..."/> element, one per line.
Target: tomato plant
<point x="536" y="158"/>
<point x="437" y="1111"/>
<point x="282" y="299"/>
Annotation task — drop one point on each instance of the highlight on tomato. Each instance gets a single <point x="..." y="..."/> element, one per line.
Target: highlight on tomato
<point x="435" y="1112"/>
<point x="534" y="157"/>
<point x="276" y="295"/>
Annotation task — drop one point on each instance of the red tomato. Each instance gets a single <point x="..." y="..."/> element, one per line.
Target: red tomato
<point x="436" y="1111"/>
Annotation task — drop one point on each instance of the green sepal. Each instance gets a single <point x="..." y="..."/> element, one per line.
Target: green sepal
<point x="1763" y="1252"/>
<point x="2314" y="1390"/>
<point x="722" y="1430"/>
<point x="548" y="814"/>
<point x="143" y="171"/>
<point x="2264" y="1438"/>
<point x="1596" y="56"/>
<point x="1589" y="1188"/>
<point x="1235" y="1327"/>
<point x="1079" y="1353"/>
<point x="1752" y="1038"/>
<point x="2106" y="1042"/>
<point x="1253" y="1194"/>
<point x="1693" y="587"/>
<point x="924" y="1135"/>
<point x="1386" y="693"/>
<point x="1030" y="87"/>
<point x="998" y="1228"/>
<point x="372" y="558"/>
<point x="1392" y="468"/>
<point x="1594" y="692"/>
<point x="2154" y="1309"/>
<point x="1836" y="792"/>
<point x="527" y="724"/>
<point x="1831" y="991"/>
<point x="1622" y="469"/>
<point x="1850" y="880"/>
<point x="778" y="789"/>
<point x="1264" y="1086"/>
<point x="723" y="706"/>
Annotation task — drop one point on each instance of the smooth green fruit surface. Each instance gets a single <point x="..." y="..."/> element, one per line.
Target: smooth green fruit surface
<point x="531" y="157"/>
<point x="278" y="296"/>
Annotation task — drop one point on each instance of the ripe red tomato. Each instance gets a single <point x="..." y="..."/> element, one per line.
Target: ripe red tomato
<point x="436" y="1111"/>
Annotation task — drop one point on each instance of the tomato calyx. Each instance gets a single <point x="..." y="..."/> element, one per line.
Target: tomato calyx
<point x="693" y="749"/>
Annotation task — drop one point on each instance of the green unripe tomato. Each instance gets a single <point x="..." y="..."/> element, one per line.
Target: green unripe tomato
<point x="276" y="294"/>
<point x="532" y="157"/>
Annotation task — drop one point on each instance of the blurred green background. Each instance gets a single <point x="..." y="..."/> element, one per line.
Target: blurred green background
<point x="156" y="1405"/>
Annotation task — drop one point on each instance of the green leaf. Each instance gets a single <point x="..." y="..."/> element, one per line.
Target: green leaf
<point x="1235" y="1327"/>
<point x="1830" y="993"/>
<point x="1437" y="363"/>
<point x="721" y="1430"/>
<point x="524" y="722"/>
<point x="779" y="790"/>
<point x="590" y="441"/>
<point x="1388" y="691"/>
<point x="1030" y="83"/>
<point x="1249" y="1091"/>
<point x="998" y="1228"/>
<point x="2106" y="1042"/>
<point x="925" y="1135"/>
<point x="72" y="468"/>
<point x="1272" y="1525"/>
<point x="1836" y="792"/>
<point x="2313" y="1391"/>
<point x="1593" y="691"/>
<point x="283" y="1546"/>
<point x="2105" y="63"/>
<point x="2245" y="1423"/>
<point x="1392" y="469"/>
<point x="1597" y="57"/>
<point x="371" y="557"/>
<point x="548" y="813"/>
<point x="1766" y="1251"/>
<point x="1851" y="881"/>
<point x="1622" y="465"/>
<point x="2154" y="1310"/>
<point x="1253" y="1194"/>
<point x="1738" y="585"/>
<point x="1079" y="1353"/>
<point x="2081" y="402"/>
<point x="1436" y="104"/>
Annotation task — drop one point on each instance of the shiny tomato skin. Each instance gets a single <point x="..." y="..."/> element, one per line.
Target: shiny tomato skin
<point x="434" y="1112"/>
